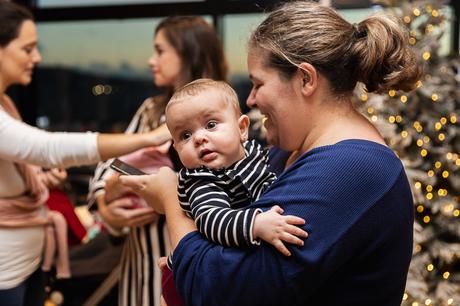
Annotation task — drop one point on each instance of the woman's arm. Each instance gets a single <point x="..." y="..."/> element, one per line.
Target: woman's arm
<point x="111" y="145"/>
<point x="35" y="146"/>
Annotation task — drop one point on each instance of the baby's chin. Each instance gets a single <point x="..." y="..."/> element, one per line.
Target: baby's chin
<point x="212" y="166"/>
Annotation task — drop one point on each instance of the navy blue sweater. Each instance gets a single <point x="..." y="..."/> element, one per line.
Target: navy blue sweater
<point x="357" y="204"/>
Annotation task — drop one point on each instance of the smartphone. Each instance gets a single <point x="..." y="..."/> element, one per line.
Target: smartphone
<point x="124" y="168"/>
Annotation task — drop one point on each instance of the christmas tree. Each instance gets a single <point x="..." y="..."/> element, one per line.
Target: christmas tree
<point x="422" y="128"/>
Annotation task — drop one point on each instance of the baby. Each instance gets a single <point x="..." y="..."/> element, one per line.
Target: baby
<point x="223" y="171"/>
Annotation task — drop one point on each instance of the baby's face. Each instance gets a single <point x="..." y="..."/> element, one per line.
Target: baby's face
<point x="207" y="131"/>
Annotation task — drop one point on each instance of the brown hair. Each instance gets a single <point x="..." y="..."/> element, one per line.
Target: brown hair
<point x="201" y="85"/>
<point x="198" y="46"/>
<point x="11" y="18"/>
<point x="374" y="52"/>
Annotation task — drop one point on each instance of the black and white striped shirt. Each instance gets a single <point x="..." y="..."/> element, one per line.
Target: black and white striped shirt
<point x="217" y="199"/>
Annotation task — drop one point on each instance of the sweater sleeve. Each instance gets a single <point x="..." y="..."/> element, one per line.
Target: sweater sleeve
<point x="24" y="143"/>
<point x="209" y="206"/>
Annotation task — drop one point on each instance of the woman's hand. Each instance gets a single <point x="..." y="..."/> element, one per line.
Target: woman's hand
<point x="155" y="189"/>
<point x="114" y="189"/>
<point x="123" y="212"/>
<point x="160" y="192"/>
<point x="53" y="178"/>
<point x="158" y="136"/>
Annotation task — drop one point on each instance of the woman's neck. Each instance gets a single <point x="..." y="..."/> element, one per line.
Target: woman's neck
<point x="335" y="121"/>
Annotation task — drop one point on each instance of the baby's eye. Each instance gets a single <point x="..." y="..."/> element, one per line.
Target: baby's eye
<point x="211" y="124"/>
<point x="185" y="135"/>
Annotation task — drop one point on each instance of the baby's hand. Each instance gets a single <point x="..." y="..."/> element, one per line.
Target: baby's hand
<point x="274" y="228"/>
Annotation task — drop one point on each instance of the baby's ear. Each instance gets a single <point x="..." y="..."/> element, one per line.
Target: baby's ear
<point x="243" y="123"/>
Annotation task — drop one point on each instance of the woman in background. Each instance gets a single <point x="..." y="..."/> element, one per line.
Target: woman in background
<point x="186" y="48"/>
<point x="23" y="216"/>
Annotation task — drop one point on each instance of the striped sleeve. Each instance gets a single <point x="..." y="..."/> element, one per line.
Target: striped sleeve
<point x="209" y="206"/>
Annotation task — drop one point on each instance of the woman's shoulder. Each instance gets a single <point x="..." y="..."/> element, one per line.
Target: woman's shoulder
<point x="363" y="161"/>
<point x="154" y="102"/>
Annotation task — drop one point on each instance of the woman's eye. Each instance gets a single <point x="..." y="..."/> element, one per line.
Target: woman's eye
<point x="28" y="50"/>
<point x="185" y="135"/>
<point x="211" y="125"/>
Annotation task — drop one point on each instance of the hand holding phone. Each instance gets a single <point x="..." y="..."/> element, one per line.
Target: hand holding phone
<point x="124" y="168"/>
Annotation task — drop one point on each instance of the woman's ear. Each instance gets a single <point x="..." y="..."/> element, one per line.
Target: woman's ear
<point x="308" y="76"/>
<point x="243" y="123"/>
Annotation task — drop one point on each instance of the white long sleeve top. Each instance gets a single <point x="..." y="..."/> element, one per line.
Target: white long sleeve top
<point x="21" y="248"/>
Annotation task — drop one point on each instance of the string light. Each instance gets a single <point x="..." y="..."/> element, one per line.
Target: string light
<point x="426" y="56"/>
<point x="423" y="152"/>
<point x="392" y="119"/>
<point x="441" y="136"/>
<point x="392" y="93"/>
<point x="430" y="267"/>
<point x="364" y="97"/>
<point x="456" y="213"/>
<point x="445" y="174"/>
<point x="403" y="98"/>
<point x="443" y="120"/>
<point x="435" y="13"/>
<point x="437" y="126"/>
<point x="434" y="97"/>
<point x="429" y="188"/>
<point x="426" y="139"/>
<point x="437" y="164"/>
<point x="453" y="119"/>
<point x="404" y="134"/>
<point x="429" y="29"/>
<point x="448" y="208"/>
<point x="418" y="185"/>
<point x="427" y="302"/>
<point x="426" y="219"/>
<point x="428" y="8"/>
<point x="420" y="209"/>
<point x="450" y="301"/>
<point x="446" y="275"/>
<point x="416" y="12"/>
<point x="430" y="173"/>
<point x="407" y="19"/>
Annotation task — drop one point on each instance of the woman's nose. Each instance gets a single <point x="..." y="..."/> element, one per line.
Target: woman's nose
<point x="251" y="100"/>
<point x="152" y="60"/>
<point x="36" y="56"/>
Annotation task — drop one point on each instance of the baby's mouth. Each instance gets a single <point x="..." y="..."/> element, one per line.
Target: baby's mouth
<point x="205" y="152"/>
